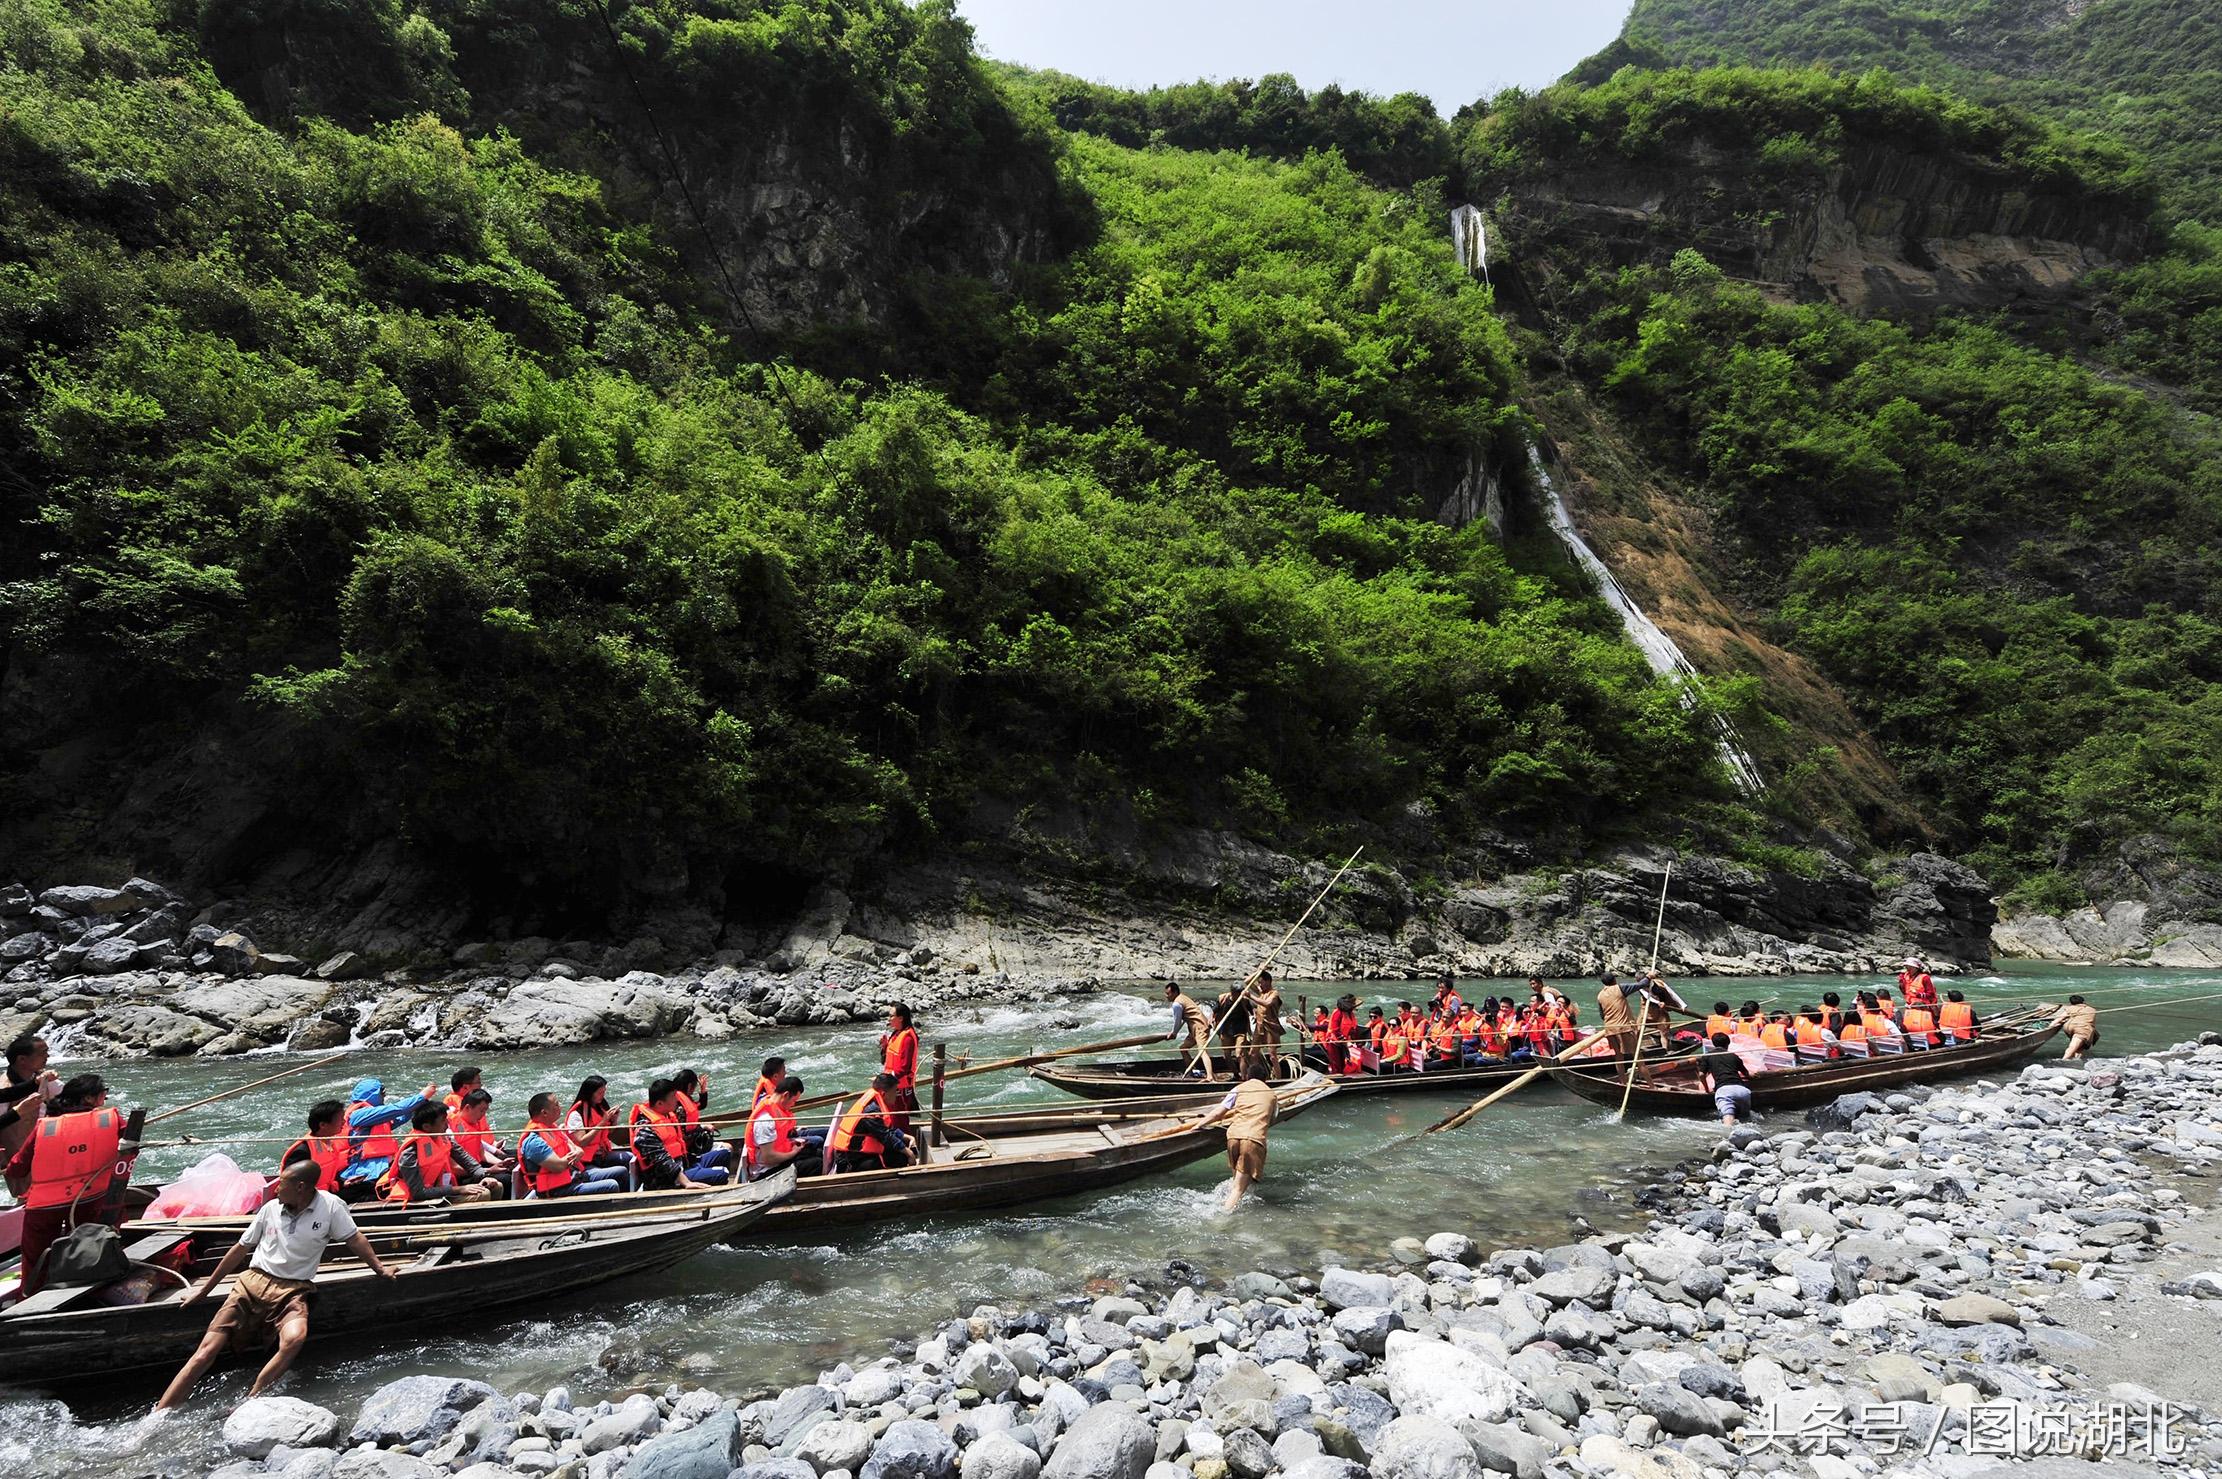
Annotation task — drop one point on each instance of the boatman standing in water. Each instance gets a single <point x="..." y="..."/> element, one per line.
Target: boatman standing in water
<point x="1189" y="1017"/>
<point x="282" y="1246"/>
<point x="2082" y="1023"/>
<point x="1248" y="1109"/>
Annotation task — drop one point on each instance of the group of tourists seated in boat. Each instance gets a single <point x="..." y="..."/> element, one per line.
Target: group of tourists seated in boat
<point x="1449" y="1032"/>
<point x="1874" y="1025"/>
<point x="446" y="1146"/>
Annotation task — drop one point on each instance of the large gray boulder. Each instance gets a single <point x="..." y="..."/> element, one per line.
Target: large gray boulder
<point x="1424" y="1448"/>
<point x="260" y="1424"/>
<point x="417" y="1411"/>
<point x="1242" y="1398"/>
<point x="833" y="1443"/>
<point x="1583" y="1283"/>
<point x="1000" y="1456"/>
<point x="1110" y="1441"/>
<point x="795" y="1409"/>
<point x="383" y="1463"/>
<point x="86" y="898"/>
<point x="1433" y="1378"/>
<point x="986" y="1370"/>
<point x="559" y="1012"/>
<point x="262" y="1007"/>
<point x="914" y="1450"/>
<point x="711" y="1449"/>
<point x="1344" y="1288"/>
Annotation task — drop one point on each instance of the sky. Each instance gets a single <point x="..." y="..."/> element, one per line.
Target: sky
<point x="1452" y="50"/>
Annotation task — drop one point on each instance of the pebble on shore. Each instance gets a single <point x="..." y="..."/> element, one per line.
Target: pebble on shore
<point x="1903" y="1252"/>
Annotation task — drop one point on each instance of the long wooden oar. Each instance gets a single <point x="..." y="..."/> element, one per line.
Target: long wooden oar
<point x="1643" y="1013"/>
<point x="243" y="1088"/>
<point x="1452" y="1122"/>
<point x="1026" y="1061"/>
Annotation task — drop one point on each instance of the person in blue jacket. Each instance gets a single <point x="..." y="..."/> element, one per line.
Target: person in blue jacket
<point x="371" y="1123"/>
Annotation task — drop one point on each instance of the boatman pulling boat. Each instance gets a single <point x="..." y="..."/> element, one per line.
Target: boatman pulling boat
<point x="1248" y="1109"/>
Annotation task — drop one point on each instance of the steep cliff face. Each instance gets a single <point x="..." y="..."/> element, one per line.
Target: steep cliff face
<point x="1879" y="230"/>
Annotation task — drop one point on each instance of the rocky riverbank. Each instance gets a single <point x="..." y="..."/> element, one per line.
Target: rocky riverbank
<point x="1926" y="1283"/>
<point x="136" y="970"/>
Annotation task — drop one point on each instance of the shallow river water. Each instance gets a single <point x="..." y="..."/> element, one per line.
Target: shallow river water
<point x="1341" y="1182"/>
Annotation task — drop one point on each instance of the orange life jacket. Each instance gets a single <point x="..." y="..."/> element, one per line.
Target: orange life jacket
<point x="1808" y="1033"/>
<point x="329" y="1154"/>
<point x="1851" y="1031"/>
<point x="478" y="1139"/>
<point x="435" y="1162"/>
<point x="453" y="1099"/>
<point x="690" y="1113"/>
<point x="1392" y="1047"/>
<point x="1773" y="1035"/>
<point x="668" y="1129"/>
<point x="1719" y="1023"/>
<point x="544" y="1178"/>
<point x="595" y="1122"/>
<point x="1320" y="1029"/>
<point x="1919" y="1022"/>
<point x="783" y="1133"/>
<point x="1492" y="1039"/>
<point x="899" y="1056"/>
<point x="765" y="1089"/>
<point x="1882" y="1000"/>
<point x="378" y="1144"/>
<point x="847" y="1137"/>
<point x="1918" y="989"/>
<point x="73" y="1158"/>
<point x="1749" y="1026"/>
<point x="1958" y="1018"/>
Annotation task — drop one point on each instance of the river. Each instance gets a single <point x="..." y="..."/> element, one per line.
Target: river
<point x="1341" y="1184"/>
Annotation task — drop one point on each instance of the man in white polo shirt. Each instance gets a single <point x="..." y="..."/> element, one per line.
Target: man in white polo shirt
<point x="282" y="1246"/>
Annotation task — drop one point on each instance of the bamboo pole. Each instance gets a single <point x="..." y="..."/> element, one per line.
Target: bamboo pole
<point x="1644" y="1015"/>
<point x="1267" y="964"/>
<point x="1024" y="1061"/>
<point x="941" y="1076"/>
<point x="1452" y="1122"/>
<point x="243" y="1088"/>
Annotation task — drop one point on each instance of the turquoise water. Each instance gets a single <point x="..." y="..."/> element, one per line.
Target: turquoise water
<point x="1342" y="1182"/>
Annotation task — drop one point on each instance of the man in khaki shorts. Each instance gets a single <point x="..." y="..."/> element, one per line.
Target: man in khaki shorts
<point x="282" y="1246"/>
<point x="1248" y="1108"/>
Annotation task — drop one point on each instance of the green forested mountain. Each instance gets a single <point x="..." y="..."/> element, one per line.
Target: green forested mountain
<point x="741" y="444"/>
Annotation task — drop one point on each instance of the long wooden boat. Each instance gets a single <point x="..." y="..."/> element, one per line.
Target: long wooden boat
<point x="1677" y="1087"/>
<point x="1166" y="1081"/>
<point x="59" y="1335"/>
<point x="987" y="1162"/>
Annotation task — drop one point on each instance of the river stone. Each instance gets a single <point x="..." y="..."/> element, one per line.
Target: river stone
<point x="1505" y="1449"/>
<point x="1326" y="1467"/>
<point x="1585" y="1283"/>
<point x="709" y="1450"/>
<point x="1900" y="1378"/>
<point x="794" y="1409"/>
<point x="262" y="1423"/>
<point x="1343" y="1288"/>
<point x="874" y="1385"/>
<point x="1681" y="1412"/>
<point x="1363" y="1328"/>
<point x="1247" y="1455"/>
<point x="85" y="898"/>
<point x="416" y="1411"/>
<point x="1283" y="1345"/>
<point x="1977" y="1309"/>
<point x="986" y="1370"/>
<point x="1242" y="1398"/>
<point x="315" y="1463"/>
<point x="1110" y="1441"/>
<point x="1000" y="1456"/>
<point x="774" y="1468"/>
<point x="635" y="1419"/>
<point x="1424" y="1448"/>
<point x="384" y="1463"/>
<point x="1580" y="1329"/>
<point x="835" y="1444"/>
<point x="1254" y="1286"/>
<point x="911" y="1449"/>
<point x="1433" y="1378"/>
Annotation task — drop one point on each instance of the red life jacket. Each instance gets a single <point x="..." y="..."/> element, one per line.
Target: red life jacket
<point x="846" y="1135"/>
<point x="899" y="1056"/>
<point x="479" y="1141"/>
<point x="435" y="1163"/>
<point x="329" y="1155"/>
<point x="544" y="1178"/>
<point x="668" y="1129"/>
<point x="73" y="1158"/>
<point x="783" y="1133"/>
<point x="765" y="1089"/>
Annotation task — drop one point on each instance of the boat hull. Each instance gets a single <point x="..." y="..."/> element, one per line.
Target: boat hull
<point x="1161" y="1081"/>
<point x="1812" y="1084"/>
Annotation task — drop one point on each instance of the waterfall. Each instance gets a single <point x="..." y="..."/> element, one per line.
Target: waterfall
<point x="1659" y="649"/>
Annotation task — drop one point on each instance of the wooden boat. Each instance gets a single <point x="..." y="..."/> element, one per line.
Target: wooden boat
<point x="1164" y="1081"/>
<point x="1676" y="1086"/>
<point x="989" y="1161"/>
<point x="1009" y="1170"/>
<point x="61" y="1334"/>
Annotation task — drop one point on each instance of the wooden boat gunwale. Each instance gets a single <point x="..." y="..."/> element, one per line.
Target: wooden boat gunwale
<point x="1131" y="1080"/>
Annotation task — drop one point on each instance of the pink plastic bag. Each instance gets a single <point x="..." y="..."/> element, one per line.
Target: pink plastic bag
<point x="214" y="1188"/>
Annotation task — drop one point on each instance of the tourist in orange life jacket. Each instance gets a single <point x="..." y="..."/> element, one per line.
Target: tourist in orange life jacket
<point x="1832" y="1011"/>
<point x="473" y="1129"/>
<point x="373" y="1127"/>
<point x="593" y="1124"/>
<point x="1919" y="1024"/>
<point x="1323" y="1027"/>
<point x="1915" y="986"/>
<point x="282" y="1246"/>
<point x="1446" y="996"/>
<point x="430" y="1166"/>
<point x="862" y="1138"/>
<point x="325" y="1145"/>
<point x="1342" y="1030"/>
<point x="1720" y="1021"/>
<point x="1749" y="1020"/>
<point x="774" y="1140"/>
<point x="555" y="1164"/>
<point x="899" y="1056"/>
<point x="1776" y="1034"/>
<point x="66" y="1168"/>
<point x="767" y="1082"/>
<point x="1815" y="1043"/>
<point x="660" y="1144"/>
<point x="702" y="1145"/>
<point x="1957" y="1018"/>
<point x="459" y="1084"/>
